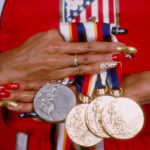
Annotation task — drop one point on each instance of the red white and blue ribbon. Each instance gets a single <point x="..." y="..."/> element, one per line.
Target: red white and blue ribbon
<point x="81" y="10"/>
<point x="83" y="32"/>
<point x="88" y="31"/>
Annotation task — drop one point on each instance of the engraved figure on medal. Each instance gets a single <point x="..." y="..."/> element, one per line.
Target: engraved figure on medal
<point x="76" y="127"/>
<point x="122" y="118"/>
<point x="53" y="102"/>
<point x="94" y="115"/>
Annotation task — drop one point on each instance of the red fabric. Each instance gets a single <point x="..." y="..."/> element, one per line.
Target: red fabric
<point x="134" y="15"/>
<point x="23" y="18"/>
<point x="111" y="9"/>
<point x="74" y="33"/>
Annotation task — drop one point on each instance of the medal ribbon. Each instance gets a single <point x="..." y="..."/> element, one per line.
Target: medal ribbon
<point x="103" y="11"/>
<point x="83" y="32"/>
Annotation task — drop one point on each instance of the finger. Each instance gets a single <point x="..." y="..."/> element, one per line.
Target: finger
<point x="21" y="96"/>
<point x="86" y="69"/>
<point x="94" y="58"/>
<point x="68" y="60"/>
<point x="87" y="47"/>
<point x="10" y="86"/>
<point x="80" y="70"/>
<point x="22" y="107"/>
<point x="31" y="85"/>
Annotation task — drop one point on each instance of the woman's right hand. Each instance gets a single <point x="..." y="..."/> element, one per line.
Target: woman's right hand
<point x="47" y="56"/>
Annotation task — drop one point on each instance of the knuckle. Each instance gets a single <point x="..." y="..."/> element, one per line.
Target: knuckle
<point x="54" y="75"/>
<point x="85" y="59"/>
<point x="89" y="46"/>
<point x="109" y="46"/>
<point x="80" y="70"/>
<point x="54" y="48"/>
<point x="52" y="61"/>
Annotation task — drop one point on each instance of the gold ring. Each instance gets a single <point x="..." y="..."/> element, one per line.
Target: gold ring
<point x="75" y="61"/>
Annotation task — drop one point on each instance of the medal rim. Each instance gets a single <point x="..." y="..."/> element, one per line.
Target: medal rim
<point x="115" y="137"/>
<point x="51" y="121"/>
<point x="100" y="139"/>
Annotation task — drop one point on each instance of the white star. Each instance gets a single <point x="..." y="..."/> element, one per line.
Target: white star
<point x="81" y="8"/>
<point x="69" y="19"/>
<point x="75" y="13"/>
<point x="87" y="3"/>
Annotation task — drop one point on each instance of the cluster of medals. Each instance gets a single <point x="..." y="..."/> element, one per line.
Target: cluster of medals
<point x="96" y="118"/>
<point x="104" y="117"/>
<point x="88" y="123"/>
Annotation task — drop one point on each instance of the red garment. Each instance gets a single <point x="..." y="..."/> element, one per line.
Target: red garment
<point x="23" y="18"/>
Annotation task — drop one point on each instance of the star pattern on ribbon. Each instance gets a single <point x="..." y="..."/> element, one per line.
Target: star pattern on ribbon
<point x="73" y="8"/>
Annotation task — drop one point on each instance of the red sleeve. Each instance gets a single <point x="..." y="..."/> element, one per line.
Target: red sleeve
<point x="7" y="134"/>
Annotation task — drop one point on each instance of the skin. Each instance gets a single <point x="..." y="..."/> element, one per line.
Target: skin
<point x="131" y="85"/>
<point x="42" y="55"/>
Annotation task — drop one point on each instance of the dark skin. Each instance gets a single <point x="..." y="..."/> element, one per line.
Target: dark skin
<point x="41" y="59"/>
<point x="131" y="85"/>
<point x="47" y="56"/>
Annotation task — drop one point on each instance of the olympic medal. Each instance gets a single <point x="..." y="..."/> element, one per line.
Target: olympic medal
<point x="76" y="127"/>
<point x="53" y="102"/>
<point x="94" y="115"/>
<point x="122" y="118"/>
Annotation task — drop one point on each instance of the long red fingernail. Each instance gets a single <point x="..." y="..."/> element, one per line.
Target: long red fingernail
<point x="11" y="86"/>
<point x="4" y="94"/>
<point x="121" y="57"/>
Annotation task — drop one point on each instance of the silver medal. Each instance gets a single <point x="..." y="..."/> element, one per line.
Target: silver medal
<point x="53" y="102"/>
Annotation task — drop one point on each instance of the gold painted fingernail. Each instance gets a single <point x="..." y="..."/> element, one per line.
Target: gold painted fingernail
<point x="8" y="103"/>
<point x="126" y="49"/>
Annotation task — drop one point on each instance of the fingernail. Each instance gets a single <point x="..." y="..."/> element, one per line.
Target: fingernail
<point x="126" y="49"/>
<point x="2" y="88"/>
<point x="4" y="94"/>
<point x="11" y="86"/>
<point x="8" y="104"/>
<point x="122" y="57"/>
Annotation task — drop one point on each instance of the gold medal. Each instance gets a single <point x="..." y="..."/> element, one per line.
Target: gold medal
<point x="94" y="115"/>
<point x="122" y="118"/>
<point x="77" y="129"/>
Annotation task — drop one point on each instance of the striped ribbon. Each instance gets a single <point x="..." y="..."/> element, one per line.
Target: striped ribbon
<point x="101" y="80"/>
<point x="103" y="10"/>
<point x="93" y="31"/>
<point x="106" y="11"/>
<point x="83" y="32"/>
<point x="88" y="31"/>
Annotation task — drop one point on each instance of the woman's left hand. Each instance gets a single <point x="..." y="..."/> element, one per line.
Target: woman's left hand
<point x="23" y="95"/>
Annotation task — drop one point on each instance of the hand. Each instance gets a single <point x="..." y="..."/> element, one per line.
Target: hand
<point x="24" y="95"/>
<point x="136" y="86"/>
<point x="47" y="56"/>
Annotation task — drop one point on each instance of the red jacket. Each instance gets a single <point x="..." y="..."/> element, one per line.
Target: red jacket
<point x="23" y="18"/>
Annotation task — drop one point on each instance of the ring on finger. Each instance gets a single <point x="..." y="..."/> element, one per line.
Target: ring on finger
<point x="75" y="61"/>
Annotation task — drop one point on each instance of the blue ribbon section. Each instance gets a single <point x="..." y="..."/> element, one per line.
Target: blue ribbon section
<point x="99" y="84"/>
<point x="113" y="79"/>
<point x="78" y="80"/>
<point x="81" y="32"/>
<point x="106" y="32"/>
